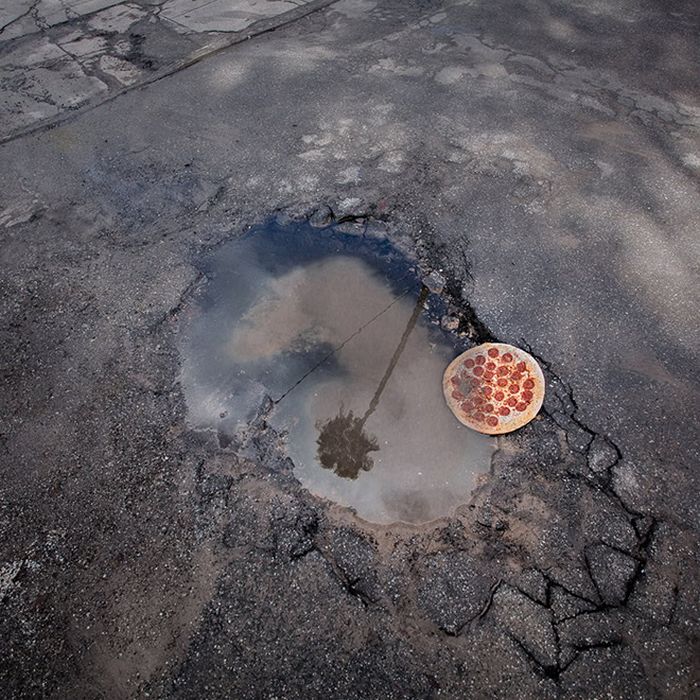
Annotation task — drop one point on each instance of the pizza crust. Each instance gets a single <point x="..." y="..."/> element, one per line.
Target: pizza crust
<point x="464" y="376"/>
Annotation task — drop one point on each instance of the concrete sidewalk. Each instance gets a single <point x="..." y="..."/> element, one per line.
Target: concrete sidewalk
<point x="56" y="57"/>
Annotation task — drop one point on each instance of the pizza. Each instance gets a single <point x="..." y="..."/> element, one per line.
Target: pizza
<point x="494" y="388"/>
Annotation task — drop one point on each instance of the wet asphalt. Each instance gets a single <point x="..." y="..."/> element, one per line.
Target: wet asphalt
<point x="545" y="157"/>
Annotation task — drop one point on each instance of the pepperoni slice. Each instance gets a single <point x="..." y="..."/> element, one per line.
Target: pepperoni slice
<point x="527" y="396"/>
<point x="529" y="384"/>
<point x="506" y="357"/>
<point x="499" y="396"/>
<point x="512" y="401"/>
<point x="513" y="388"/>
<point x="458" y="395"/>
<point x="504" y="411"/>
<point x="488" y="374"/>
<point x="516" y="377"/>
<point x="493" y="352"/>
<point x="502" y="382"/>
<point x="521" y="406"/>
<point x="502" y="371"/>
<point x="491" y="365"/>
<point x="479" y="417"/>
<point x="521" y="366"/>
<point x="478" y="371"/>
<point x="473" y="383"/>
<point x="492" y="421"/>
<point x="469" y="363"/>
<point x="487" y="390"/>
<point x="480" y="359"/>
<point x="478" y="399"/>
<point x="488" y="408"/>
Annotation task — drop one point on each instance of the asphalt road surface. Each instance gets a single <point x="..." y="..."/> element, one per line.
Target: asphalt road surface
<point x="544" y="154"/>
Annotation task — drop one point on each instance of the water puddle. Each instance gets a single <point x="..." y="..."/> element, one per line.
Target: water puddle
<point x="339" y="331"/>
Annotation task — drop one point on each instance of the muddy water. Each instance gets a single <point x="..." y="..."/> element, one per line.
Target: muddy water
<point x="338" y="330"/>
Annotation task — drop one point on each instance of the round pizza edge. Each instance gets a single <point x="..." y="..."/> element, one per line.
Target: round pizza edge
<point x="507" y="424"/>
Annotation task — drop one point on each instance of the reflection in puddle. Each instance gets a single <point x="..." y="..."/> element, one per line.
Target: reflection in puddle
<point x="343" y="445"/>
<point x="334" y="328"/>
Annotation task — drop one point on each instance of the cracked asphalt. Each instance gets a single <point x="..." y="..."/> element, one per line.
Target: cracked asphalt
<point x="544" y="155"/>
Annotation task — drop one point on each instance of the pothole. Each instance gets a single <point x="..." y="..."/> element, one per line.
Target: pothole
<point x="339" y="331"/>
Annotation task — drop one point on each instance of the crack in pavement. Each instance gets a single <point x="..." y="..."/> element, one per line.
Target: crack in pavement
<point x="30" y="11"/>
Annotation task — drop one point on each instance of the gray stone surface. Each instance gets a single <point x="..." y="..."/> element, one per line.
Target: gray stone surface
<point x="223" y="15"/>
<point x="544" y="156"/>
<point x="21" y="17"/>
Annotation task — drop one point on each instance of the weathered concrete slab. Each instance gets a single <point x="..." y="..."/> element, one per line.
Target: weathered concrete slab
<point x="39" y="80"/>
<point x="21" y="17"/>
<point x="223" y="15"/>
<point x="94" y="49"/>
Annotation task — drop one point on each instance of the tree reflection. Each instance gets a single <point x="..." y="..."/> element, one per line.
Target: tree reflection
<point x="343" y="444"/>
